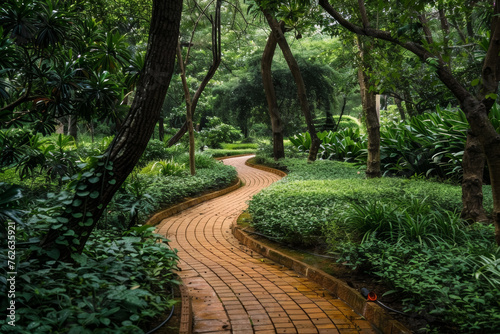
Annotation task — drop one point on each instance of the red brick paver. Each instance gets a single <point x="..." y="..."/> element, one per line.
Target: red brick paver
<point x="234" y="290"/>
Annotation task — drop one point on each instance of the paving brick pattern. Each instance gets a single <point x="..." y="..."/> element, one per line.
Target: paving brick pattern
<point x="234" y="290"/>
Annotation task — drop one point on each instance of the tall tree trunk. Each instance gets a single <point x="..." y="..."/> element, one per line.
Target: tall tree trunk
<point x="272" y="103"/>
<point x="97" y="187"/>
<point x="472" y="183"/>
<point x="216" y="59"/>
<point x="369" y="101"/>
<point x="72" y="126"/>
<point x="276" y="29"/>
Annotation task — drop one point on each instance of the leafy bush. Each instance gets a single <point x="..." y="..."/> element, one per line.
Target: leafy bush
<point x="347" y="122"/>
<point x="240" y="146"/>
<point x="431" y="144"/>
<point x="405" y="231"/>
<point x="436" y="279"/>
<point x="218" y="153"/>
<point x="201" y="160"/>
<point x="118" y="285"/>
<point x="343" y="145"/>
<point x="408" y="218"/>
<point x="165" y="168"/>
<point x="297" y="208"/>
<point x="170" y="190"/>
<point x="217" y="133"/>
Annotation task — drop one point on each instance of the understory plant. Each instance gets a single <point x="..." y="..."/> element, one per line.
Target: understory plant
<point x="428" y="145"/>
<point x="405" y="232"/>
<point x="119" y="284"/>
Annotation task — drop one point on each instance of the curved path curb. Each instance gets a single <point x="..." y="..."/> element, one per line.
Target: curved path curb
<point x="164" y="214"/>
<point x="370" y="311"/>
<point x="234" y="290"/>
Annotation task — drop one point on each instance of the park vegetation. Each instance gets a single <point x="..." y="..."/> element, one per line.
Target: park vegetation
<point x="96" y="96"/>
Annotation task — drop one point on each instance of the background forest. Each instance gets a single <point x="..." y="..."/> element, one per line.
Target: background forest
<point x="100" y="128"/>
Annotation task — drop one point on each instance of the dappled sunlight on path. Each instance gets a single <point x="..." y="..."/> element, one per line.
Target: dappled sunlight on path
<point x="235" y="290"/>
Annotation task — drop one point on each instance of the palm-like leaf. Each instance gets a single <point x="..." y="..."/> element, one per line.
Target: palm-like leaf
<point x="16" y="17"/>
<point x="112" y="54"/>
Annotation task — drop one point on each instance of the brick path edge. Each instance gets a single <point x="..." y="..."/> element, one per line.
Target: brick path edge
<point x="186" y="318"/>
<point x="159" y="216"/>
<point x="371" y="311"/>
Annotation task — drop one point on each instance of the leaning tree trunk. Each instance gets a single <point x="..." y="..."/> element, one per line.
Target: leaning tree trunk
<point x="299" y="81"/>
<point x="98" y="185"/>
<point x="472" y="183"/>
<point x="272" y="103"/>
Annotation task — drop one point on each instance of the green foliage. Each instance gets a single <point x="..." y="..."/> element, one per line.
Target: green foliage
<point x="239" y="146"/>
<point x="218" y="153"/>
<point x="64" y="64"/>
<point x="157" y="150"/>
<point x="489" y="268"/>
<point x="170" y="190"/>
<point x="117" y="285"/>
<point x="408" y="218"/>
<point x="405" y="231"/>
<point x="436" y="279"/>
<point x="344" y="145"/>
<point x="10" y="211"/>
<point x="217" y="133"/>
<point x="165" y="168"/>
<point x="429" y="145"/>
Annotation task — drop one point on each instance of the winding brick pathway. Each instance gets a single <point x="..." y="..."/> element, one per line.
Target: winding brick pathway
<point x="234" y="290"/>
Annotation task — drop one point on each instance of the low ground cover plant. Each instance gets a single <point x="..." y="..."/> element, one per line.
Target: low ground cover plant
<point x="406" y="232"/>
<point x="120" y="283"/>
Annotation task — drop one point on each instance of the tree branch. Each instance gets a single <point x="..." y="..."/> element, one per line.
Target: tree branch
<point x="364" y="16"/>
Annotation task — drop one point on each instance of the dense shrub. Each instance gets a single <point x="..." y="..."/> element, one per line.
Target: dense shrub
<point x="437" y="279"/>
<point x="119" y="284"/>
<point x="158" y="150"/>
<point x="151" y="189"/>
<point x="429" y="145"/>
<point x="217" y="133"/>
<point x="407" y="232"/>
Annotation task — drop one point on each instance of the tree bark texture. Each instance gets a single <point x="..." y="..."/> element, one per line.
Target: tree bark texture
<point x="472" y="183"/>
<point x="96" y="188"/>
<point x="272" y="102"/>
<point x="475" y="108"/>
<point x="299" y="81"/>
<point x="72" y="126"/>
<point x="189" y="110"/>
<point x="369" y="101"/>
